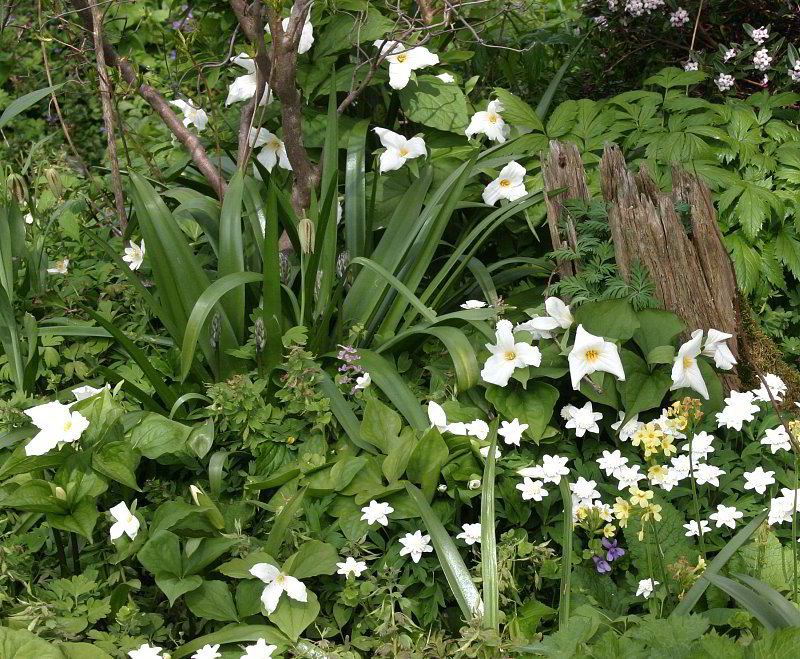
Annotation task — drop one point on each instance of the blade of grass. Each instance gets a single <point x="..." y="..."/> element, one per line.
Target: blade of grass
<point x="9" y="337"/>
<point x="282" y="521"/>
<point x="465" y="362"/>
<point x="782" y="606"/>
<point x="397" y="285"/>
<point x="344" y="413"/>
<point x="453" y="567"/>
<point x="355" y="194"/>
<point x="566" y="556"/>
<point x="750" y="600"/>
<point x="19" y="105"/>
<point x="550" y="92"/>
<point x="272" y="314"/>
<point x="491" y="589"/>
<point x="231" y="252"/>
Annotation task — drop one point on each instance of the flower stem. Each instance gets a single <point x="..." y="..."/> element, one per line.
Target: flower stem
<point x="76" y="559"/>
<point x="694" y="496"/>
<point x="62" y="557"/>
<point x="794" y="530"/>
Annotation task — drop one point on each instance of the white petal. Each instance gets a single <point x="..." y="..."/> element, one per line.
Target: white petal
<point x="477" y="124"/>
<point x="399" y="75"/>
<point x="271" y="595"/>
<point x="116" y="531"/>
<point x="420" y="57"/>
<point x="436" y="415"/>
<point x="391" y="160"/>
<point x="514" y="172"/>
<point x="245" y="61"/>
<point x="264" y="571"/>
<point x="497" y="370"/>
<point x="241" y="89"/>
<point x="295" y="589"/>
<point x="416" y="147"/>
<point x="268" y="158"/>
<point x="492" y="193"/>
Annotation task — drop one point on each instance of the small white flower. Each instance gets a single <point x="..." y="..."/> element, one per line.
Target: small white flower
<point x="146" y="651"/>
<point x="724" y="82"/>
<point x="244" y="87"/>
<point x="531" y="489"/>
<point x="29" y="218"/>
<point x="685" y="369"/>
<point x="60" y="267"/>
<point x="706" y="473"/>
<point x="679" y="18"/>
<point x="474" y="484"/>
<point x="471" y="533"/>
<point x="126" y="522"/>
<point x="415" y="544"/>
<point x="207" y="652"/>
<point x="56" y="424"/>
<point x="512" y="432"/>
<point x="646" y="587"/>
<point x="584" y="420"/>
<point x="730" y="53"/>
<point x="489" y="122"/>
<point x="777" y="439"/>
<point x="794" y="73"/>
<point x="551" y="470"/>
<point x="739" y="407"/>
<point x="478" y="428"/>
<point x="484" y="451"/>
<point x="692" y="529"/>
<point x="398" y="149"/>
<point x="776" y="386"/>
<point x="758" y="479"/>
<point x="592" y="353"/>
<point x="611" y="463"/>
<point x="760" y="35"/>
<point x="442" y="488"/>
<point x="762" y="59"/>
<point x="273" y="150"/>
<point x="715" y="345"/>
<point x="628" y="477"/>
<point x="509" y="184"/>
<point x="259" y="651"/>
<point x="507" y="356"/>
<point x="376" y="512"/>
<point x="134" y="255"/>
<point x="277" y="584"/>
<point x="473" y="304"/>
<point x="583" y="489"/>
<point x="363" y="381"/>
<point x="701" y="446"/>
<point x="629" y="429"/>
<point x="446" y="77"/>
<point x="192" y="115"/>
<point x="691" y="65"/>
<point x="726" y="516"/>
<point x="781" y="508"/>
<point x="403" y="60"/>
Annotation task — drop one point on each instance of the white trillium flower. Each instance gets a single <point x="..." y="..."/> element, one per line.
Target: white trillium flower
<point x="473" y="304"/>
<point x="134" y="255"/>
<point x="273" y="150"/>
<point x="726" y="516"/>
<point x="584" y="419"/>
<point x="758" y="479"/>
<point x="277" y="583"/>
<point x="471" y="533"/>
<point x="489" y="122"/>
<point x="244" y="87"/>
<point x="60" y="267"/>
<point x="56" y="424"/>
<point x="415" y="544"/>
<point x="192" y="115"/>
<point x="398" y="149"/>
<point x="446" y="77"/>
<point x="403" y="60"/>
<point x="376" y="512"/>
<point x="507" y="356"/>
<point x="531" y="489"/>
<point x="512" y="432"/>
<point x="692" y="528"/>
<point x="126" y="522"/>
<point x="540" y="327"/>
<point x="646" y="587"/>
<point x="146" y="651"/>
<point x="351" y="566"/>
<point x="363" y="381"/>
<point x="509" y="184"/>
<point x="716" y="347"/>
<point x="592" y="353"/>
<point x="259" y="651"/>
<point x="207" y="652"/>
<point x="559" y="312"/>
<point x="685" y="369"/>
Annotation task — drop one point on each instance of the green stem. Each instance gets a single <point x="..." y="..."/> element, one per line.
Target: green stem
<point x="76" y="559"/>
<point x="794" y="529"/>
<point x="694" y="497"/>
<point x="660" y="555"/>
<point x="62" y="556"/>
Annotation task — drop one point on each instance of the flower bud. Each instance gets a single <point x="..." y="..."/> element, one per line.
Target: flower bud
<point x="195" y="492"/>
<point x="474" y="484"/>
<point x="307" y="233"/>
<point x="60" y="493"/>
<point x="54" y="182"/>
<point x="285" y="267"/>
<point x="17" y="187"/>
<point x="259" y="334"/>
<point x="214" y="330"/>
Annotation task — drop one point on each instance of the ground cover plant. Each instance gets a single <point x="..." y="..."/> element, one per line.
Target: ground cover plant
<point x="289" y="365"/>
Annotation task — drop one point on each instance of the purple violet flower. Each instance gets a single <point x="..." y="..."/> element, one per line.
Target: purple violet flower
<point x="601" y="564"/>
<point x="614" y="552"/>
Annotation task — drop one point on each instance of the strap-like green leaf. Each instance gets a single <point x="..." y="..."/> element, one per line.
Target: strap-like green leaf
<point x="491" y="589"/>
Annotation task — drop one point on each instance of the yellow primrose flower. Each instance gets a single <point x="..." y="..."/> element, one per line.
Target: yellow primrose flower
<point x="609" y="530"/>
<point x="622" y="510"/>
<point x="641" y="535"/>
<point x="667" y="446"/>
<point x="640" y="497"/>
<point x="653" y="509"/>
<point x="657" y="473"/>
<point x="651" y="446"/>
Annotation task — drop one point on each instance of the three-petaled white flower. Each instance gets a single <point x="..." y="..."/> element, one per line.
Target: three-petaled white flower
<point x="192" y="115"/>
<point x="558" y="315"/>
<point x="207" y="652"/>
<point x="512" y="432"/>
<point x="415" y="544"/>
<point x="244" y="87"/>
<point x="403" y="60"/>
<point x="592" y="353"/>
<point x="351" y="566"/>
<point x="60" y="268"/>
<point x="273" y="150"/>
<point x="471" y="533"/>
<point x="509" y="184"/>
<point x="376" y="512"/>
<point x="507" y="356"/>
<point x="531" y="489"/>
<point x="126" y="522"/>
<point x="260" y="650"/>
<point x="646" y="587"/>
<point x="56" y="424"/>
<point x="146" y="651"/>
<point x="685" y="369"/>
<point x="134" y="255"/>
<point x="489" y="122"/>
<point x="716" y="347"/>
<point x="277" y="583"/>
<point x="398" y="149"/>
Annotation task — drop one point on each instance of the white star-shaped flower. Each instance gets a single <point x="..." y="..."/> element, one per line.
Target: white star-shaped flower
<point x="584" y="419"/>
<point x="192" y="115"/>
<point x="273" y="150"/>
<point x="260" y="650"/>
<point x="777" y="387"/>
<point x="531" y="489"/>
<point x="700" y="445"/>
<point x="478" y="428"/>
<point x="777" y="439"/>
<point x="758" y="479"/>
<point x="629" y="429"/>
<point x="473" y="304"/>
<point x="244" y="87"/>
<point x="376" y="512"/>
<point x="403" y="60"/>
<point x="592" y="353"/>
<point x="726" y="516"/>
<point x="646" y="587"/>
<point x="692" y="529"/>
<point x="611" y="463"/>
<point x="415" y="544"/>
<point x="739" y="407"/>
<point x="716" y="347"/>
<point x="471" y="533"/>
<point x="489" y="122"/>
<point x="207" y="652"/>
<point x="363" y="381"/>
<point x="512" y="432"/>
<point x="146" y="651"/>
<point x="134" y="255"/>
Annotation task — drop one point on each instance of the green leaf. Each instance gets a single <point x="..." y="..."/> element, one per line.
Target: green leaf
<point x="231" y="251"/>
<point x="395" y="463"/>
<point x="81" y="651"/>
<point x="19" y="105"/>
<point x="212" y="600"/>
<point x="285" y="517"/>
<point x="293" y="617"/>
<point x="355" y="195"/>
<point x="35" y="496"/>
<point x="435" y="104"/>
<point x="517" y="112"/>
<point x="344" y="413"/>
<point x="750" y="600"/>
<point x="746" y="262"/>
<point x="388" y="380"/>
<point x="491" y="588"/>
<point x="161" y="554"/>
<point x="641" y="390"/>
<point x="611" y="319"/>
<point x="425" y="464"/>
<point x="233" y="634"/>
<point x="156" y="435"/>
<point x="173" y="587"/>
<point x="380" y="425"/>
<point x="201" y="439"/>
<point x="117" y="461"/>
<point x="565" y="589"/>
<point x="81" y="520"/>
<point x="205" y="553"/>
<point x="21" y="644"/>
<point x="344" y="31"/>
<point x="787" y="249"/>
<point x="674" y="77"/>
<point x="533" y="405"/>
<point x="657" y="328"/>
<point x="312" y="559"/>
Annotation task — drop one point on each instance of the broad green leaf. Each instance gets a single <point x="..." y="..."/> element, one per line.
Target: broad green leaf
<point x="156" y="435"/>
<point x="533" y="405"/>
<point x="517" y="112"/>
<point x="657" y="328"/>
<point x="81" y="519"/>
<point x="611" y="319"/>
<point x="35" y="496"/>
<point x="293" y="617"/>
<point x="117" y="461"/>
<point x="162" y="554"/>
<point x="21" y="644"/>
<point x="425" y="464"/>
<point x="380" y="425"/>
<point x="19" y="105"/>
<point x="173" y="586"/>
<point x="212" y="600"/>
<point x="435" y="104"/>
<point x="312" y="559"/>
<point x="642" y="390"/>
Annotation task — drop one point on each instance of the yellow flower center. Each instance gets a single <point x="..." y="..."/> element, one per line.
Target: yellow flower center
<point x="510" y="356"/>
<point x="402" y="58"/>
<point x="687" y="362"/>
<point x="591" y="356"/>
<point x="504" y="183"/>
<point x="279" y="579"/>
<point x="492" y="118"/>
<point x="68" y="425"/>
<point x="404" y="152"/>
<point x="129" y="519"/>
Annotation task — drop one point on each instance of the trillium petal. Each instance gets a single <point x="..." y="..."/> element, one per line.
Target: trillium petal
<point x="389" y="139"/>
<point x="245" y="61"/>
<point x="608" y="361"/>
<point x="421" y="57"/>
<point x="42" y="443"/>
<point x="497" y="370"/>
<point x="399" y="75"/>
<point x="416" y="147"/>
<point x="270" y="596"/>
<point x="268" y="158"/>
<point x="477" y="124"/>
<point x="514" y="172"/>
<point x="527" y="354"/>
<point x="492" y="193"/>
<point x="264" y="571"/>
<point x="116" y="531"/>
<point x="436" y="415"/>
<point x="241" y="89"/>
<point x="391" y="160"/>
<point x="295" y="589"/>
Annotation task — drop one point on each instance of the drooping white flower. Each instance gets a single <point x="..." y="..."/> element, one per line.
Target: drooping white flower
<point x="716" y="347"/>
<point x="260" y="650"/>
<point x="692" y="528"/>
<point x="509" y="184"/>
<point x="471" y="533"/>
<point x="376" y="512"/>
<point x="646" y="587"/>
<point x="611" y="463"/>
<point x="489" y="122"/>
<point x="60" y="267"/>
<point x="776" y="386"/>
<point x="134" y="255"/>
<point x="277" y="584"/>
<point x="685" y="369"/>
<point x="273" y="150"/>
<point x="403" y="60"/>
<point x="629" y="429"/>
<point x="28" y="218"/>
<point x="351" y="566"/>
<point x="739" y="407"/>
<point x="146" y="651"/>
<point x="726" y="516"/>
<point x="56" y="424"/>
<point x="398" y="149"/>
<point x="758" y="479"/>
<point x="207" y="652"/>
<point x="584" y="419"/>
<point x="592" y="353"/>
<point x="126" y="522"/>
<point x="507" y="356"/>
<point x="446" y="77"/>
<point x="540" y="327"/>
<point x="478" y="428"/>
<point x="512" y="432"/>
<point x="473" y="304"/>
<point x="531" y="489"/>
<point x="777" y="439"/>
<point x="84" y="392"/>
<point x="559" y="311"/>
<point x="415" y="544"/>
<point x="192" y="115"/>
<point x="244" y="87"/>
<point x="363" y="381"/>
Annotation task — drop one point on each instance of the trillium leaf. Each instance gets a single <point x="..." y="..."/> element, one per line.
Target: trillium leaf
<point x="156" y="435"/>
<point x="533" y="405"/>
<point x="436" y="104"/>
<point x="426" y="462"/>
<point x="657" y="328"/>
<point x="642" y="390"/>
<point x="213" y="600"/>
<point x="173" y="586"/>
<point x="293" y="617"/>
<point x="117" y="461"/>
<point x="313" y="558"/>
<point x="611" y="319"/>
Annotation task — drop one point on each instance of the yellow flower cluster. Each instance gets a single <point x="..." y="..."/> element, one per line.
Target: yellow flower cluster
<point x="653" y="440"/>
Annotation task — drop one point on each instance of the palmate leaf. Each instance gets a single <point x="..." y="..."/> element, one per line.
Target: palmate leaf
<point x="787" y="249"/>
